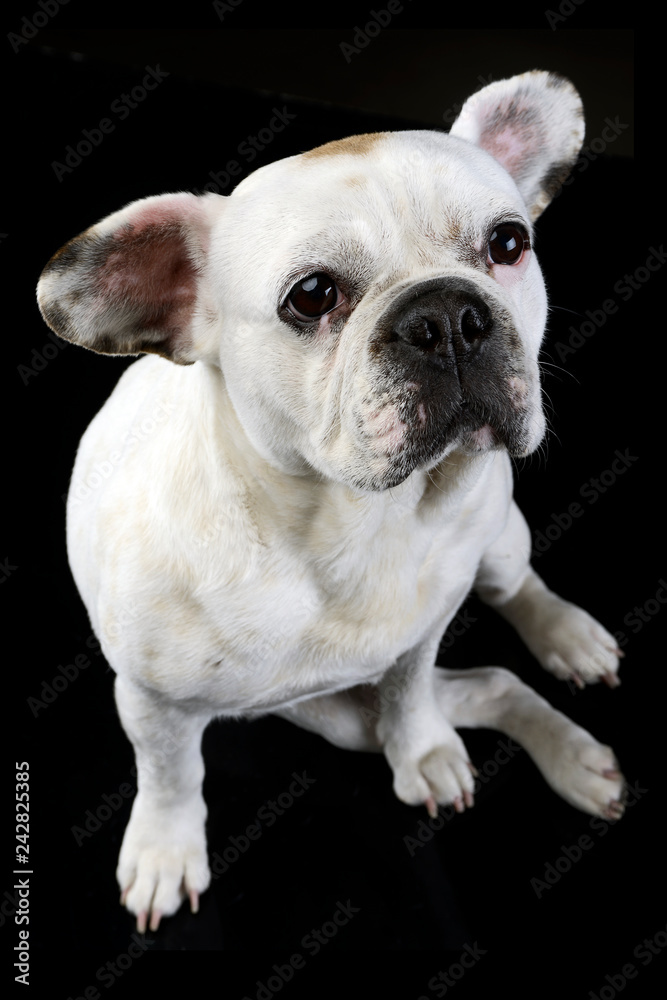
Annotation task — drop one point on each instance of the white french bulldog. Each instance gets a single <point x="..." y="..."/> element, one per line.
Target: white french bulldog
<point x="286" y="519"/>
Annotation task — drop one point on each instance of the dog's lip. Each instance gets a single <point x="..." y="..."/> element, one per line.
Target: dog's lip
<point x="477" y="432"/>
<point x="471" y="420"/>
<point x="485" y="437"/>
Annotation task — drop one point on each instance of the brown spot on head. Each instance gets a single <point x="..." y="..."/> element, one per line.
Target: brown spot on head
<point x="354" y="145"/>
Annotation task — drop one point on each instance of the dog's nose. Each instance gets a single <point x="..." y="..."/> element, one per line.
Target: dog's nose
<point x="443" y="320"/>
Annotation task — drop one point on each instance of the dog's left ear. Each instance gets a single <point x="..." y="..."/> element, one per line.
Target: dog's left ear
<point x="533" y="124"/>
<point x="135" y="282"/>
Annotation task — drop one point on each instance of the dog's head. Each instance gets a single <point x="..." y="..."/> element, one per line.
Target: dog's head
<point x="373" y="304"/>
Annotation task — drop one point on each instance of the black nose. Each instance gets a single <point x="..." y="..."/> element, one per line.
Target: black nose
<point x="442" y="320"/>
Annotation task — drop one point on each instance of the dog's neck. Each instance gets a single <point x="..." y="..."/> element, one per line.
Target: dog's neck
<point x="447" y="481"/>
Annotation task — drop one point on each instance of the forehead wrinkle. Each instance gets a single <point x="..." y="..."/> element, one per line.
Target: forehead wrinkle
<point x="437" y="220"/>
<point x="433" y="186"/>
<point x="354" y="237"/>
<point x="412" y="208"/>
<point x="425" y="227"/>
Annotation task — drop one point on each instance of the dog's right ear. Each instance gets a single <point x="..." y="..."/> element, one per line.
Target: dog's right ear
<point x="135" y="282"/>
<point x="533" y="125"/>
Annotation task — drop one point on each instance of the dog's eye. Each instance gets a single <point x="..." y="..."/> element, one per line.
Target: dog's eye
<point x="507" y="243"/>
<point x="313" y="296"/>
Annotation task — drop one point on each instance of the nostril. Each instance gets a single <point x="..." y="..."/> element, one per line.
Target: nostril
<point x="422" y="333"/>
<point x="475" y="322"/>
<point x="430" y="336"/>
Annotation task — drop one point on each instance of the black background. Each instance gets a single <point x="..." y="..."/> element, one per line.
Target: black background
<point x="344" y="839"/>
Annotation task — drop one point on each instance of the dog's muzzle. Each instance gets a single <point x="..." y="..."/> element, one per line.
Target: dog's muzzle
<point x="450" y="369"/>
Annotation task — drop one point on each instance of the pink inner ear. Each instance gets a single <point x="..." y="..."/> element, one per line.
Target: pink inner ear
<point x="149" y="268"/>
<point x="510" y="132"/>
<point x="508" y="147"/>
<point x="177" y="208"/>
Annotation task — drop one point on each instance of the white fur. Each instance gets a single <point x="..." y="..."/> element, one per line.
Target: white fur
<point x="229" y="559"/>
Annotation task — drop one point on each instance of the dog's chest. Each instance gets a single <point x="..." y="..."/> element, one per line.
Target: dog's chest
<point x="327" y="610"/>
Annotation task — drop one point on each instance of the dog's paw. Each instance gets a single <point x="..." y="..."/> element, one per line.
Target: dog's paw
<point x="441" y="775"/>
<point x="586" y="774"/>
<point x="573" y="646"/>
<point x="163" y="859"/>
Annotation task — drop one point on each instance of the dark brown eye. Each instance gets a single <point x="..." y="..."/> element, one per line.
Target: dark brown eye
<point x="313" y="296"/>
<point x="507" y="243"/>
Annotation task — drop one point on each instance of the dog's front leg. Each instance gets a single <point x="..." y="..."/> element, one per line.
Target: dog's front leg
<point x="566" y="640"/>
<point x="428" y="758"/>
<point x="163" y="857"/>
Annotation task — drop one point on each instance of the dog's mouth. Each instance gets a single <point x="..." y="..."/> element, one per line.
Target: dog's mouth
<point x="480" y="426"/>
<point x="412" y="434"/>
<point x="475" y="426"/>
